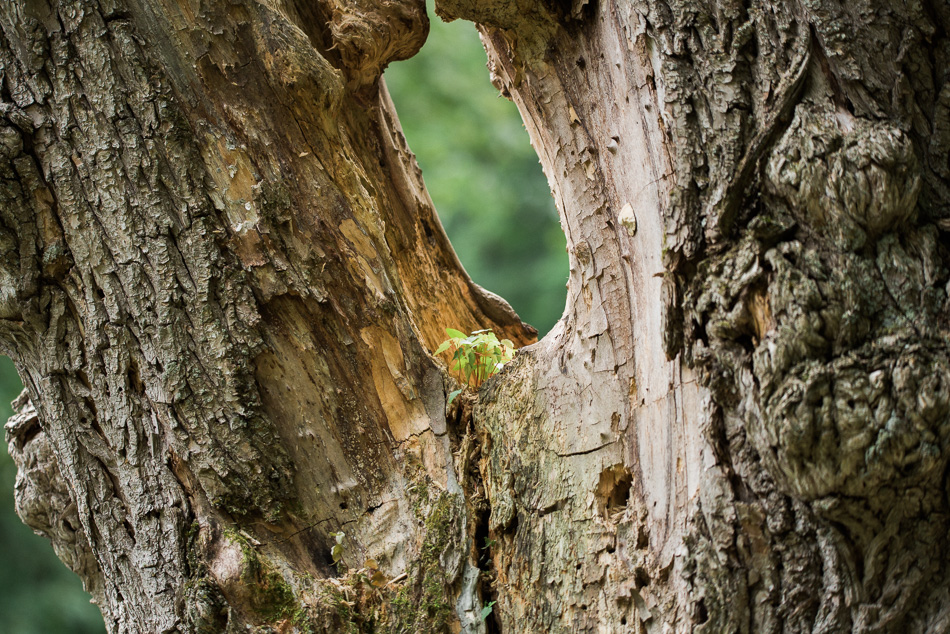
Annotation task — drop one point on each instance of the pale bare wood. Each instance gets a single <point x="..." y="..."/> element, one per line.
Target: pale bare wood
<point x="222" y="280"/>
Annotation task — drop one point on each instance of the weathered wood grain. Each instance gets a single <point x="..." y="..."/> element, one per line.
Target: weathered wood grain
<point x="221" y="279"/>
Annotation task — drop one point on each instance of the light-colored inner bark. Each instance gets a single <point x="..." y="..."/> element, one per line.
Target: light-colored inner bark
<point x="222" y="280"/>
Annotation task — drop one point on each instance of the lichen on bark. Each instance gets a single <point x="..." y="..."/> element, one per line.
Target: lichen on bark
<point x="804" y="278"/>
<point x="221" y="280"/>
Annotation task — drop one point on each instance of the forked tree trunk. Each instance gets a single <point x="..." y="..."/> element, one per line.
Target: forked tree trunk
<point x="222" y="281"/>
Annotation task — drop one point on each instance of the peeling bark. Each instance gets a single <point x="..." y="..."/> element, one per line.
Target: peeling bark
<point x="222" y="280"/>
<point x="761" y="177"/>
<point x="224" y="277"/>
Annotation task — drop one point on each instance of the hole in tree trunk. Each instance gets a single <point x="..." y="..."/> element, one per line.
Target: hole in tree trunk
<point x="700" y="615"/>
<point x="613" y="489"/>
<point x="482" y="173"/>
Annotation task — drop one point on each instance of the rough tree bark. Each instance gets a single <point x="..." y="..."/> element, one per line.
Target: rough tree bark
<point x="222" y="280"/>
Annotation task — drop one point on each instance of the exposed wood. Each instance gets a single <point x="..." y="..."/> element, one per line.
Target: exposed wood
<point x="779" y="186"/>
<point x="227" y="274"/>
<point x="222" y="280"/>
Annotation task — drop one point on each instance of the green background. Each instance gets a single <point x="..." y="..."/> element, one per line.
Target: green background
<point x="482" y="173"/>
<point x="496" y="207"/>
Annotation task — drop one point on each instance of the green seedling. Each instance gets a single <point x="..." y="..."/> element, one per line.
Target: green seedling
<point x="337" y="550"/>
<point x="476" y="356"/>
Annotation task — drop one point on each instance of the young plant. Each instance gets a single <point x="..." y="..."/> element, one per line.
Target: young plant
<point x="337" y="550"/>
<point x="476" y="356"/>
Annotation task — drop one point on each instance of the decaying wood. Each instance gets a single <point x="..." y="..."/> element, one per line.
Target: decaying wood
<point x="224" y="274"/>
<point x="790" y="227"/>
<point x="222" y="280"/>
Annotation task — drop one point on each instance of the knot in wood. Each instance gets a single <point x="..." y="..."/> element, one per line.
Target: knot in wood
<point x="851" y="178"/>
<point x="372" y="34"/>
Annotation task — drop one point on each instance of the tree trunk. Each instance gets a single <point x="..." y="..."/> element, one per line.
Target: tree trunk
<point x="222" y="282"/>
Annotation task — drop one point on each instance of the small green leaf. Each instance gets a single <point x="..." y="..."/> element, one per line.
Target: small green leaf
<point x="452" y="395"/>
<point x="445" y="346"/>
<point x="479" y="355"/>
<point x="487" y="609"/>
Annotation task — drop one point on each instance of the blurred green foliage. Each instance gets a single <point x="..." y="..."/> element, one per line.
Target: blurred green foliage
<point x="482" y="173"/>
<point x="38" y="594"/>
<point x="496" y="207"/>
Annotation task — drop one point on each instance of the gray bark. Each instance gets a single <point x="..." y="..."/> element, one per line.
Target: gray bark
<point x="222" y="282"/>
